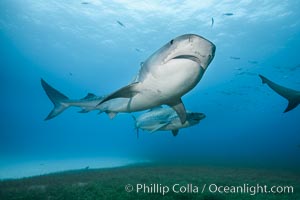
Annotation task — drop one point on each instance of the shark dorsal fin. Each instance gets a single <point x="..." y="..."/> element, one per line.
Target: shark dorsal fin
<point x="88" y="96"/>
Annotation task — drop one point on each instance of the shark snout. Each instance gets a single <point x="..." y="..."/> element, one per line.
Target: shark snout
<point x="212" y="54"/>
<point x="213" y="50"/>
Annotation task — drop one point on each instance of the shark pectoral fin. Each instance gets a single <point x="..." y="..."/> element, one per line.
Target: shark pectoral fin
<point x="158" y="127"/>
<point x="178" y="106"/>
<point x="128" y="91"/>
<point x="111" y="114"/>
<point x="291" y="105"/>
<point x="175" y="132"/>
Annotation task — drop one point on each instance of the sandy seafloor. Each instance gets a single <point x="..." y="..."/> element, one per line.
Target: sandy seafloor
<point x="157" y="181"/>
<point x="22" y="168"/>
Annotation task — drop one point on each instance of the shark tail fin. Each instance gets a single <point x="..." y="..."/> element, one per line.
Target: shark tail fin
<point x="263" y="79"/>
<point x="291" y="95"/>
<point x="58" y="99"/>
<point x="291" y="106"/>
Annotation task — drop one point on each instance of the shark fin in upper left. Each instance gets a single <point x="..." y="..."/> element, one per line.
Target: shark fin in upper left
<point x="128" y="91"/>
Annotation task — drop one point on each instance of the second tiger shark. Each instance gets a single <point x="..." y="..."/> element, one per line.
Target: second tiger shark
<point x="167" y="75"/>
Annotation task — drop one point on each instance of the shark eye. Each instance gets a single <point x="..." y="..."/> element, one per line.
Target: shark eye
<point x="171" y="42"/>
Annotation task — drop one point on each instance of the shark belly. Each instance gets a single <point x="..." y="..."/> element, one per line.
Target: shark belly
<point x="169" y="82"/>
<point x="176" y="78"/>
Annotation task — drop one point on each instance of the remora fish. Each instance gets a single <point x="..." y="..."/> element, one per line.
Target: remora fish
<point x="166" y="76"/>
<point x="292" y="96"/>
<point x="165" y="119"/>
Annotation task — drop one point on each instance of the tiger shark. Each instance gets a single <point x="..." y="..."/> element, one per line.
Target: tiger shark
<point x="293" y="96"/>
<point x="166" y="76"/>
<point x="163" y="79"/>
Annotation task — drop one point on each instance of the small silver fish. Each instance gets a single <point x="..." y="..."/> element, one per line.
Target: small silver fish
<point x="120" y="23"/>
<point x="228" y="14"/>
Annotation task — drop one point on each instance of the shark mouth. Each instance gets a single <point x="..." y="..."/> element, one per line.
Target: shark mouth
<point x="189" y="57"/>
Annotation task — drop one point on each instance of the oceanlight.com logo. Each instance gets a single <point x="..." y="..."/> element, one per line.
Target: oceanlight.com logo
<point x="156" y="188"/>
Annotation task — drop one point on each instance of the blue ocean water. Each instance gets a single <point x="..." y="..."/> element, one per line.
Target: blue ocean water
<point x="97" y="46"/>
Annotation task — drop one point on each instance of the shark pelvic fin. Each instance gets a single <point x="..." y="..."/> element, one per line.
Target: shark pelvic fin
<point x="111" y="114"/>
<point x="178" y="106"/>
<point x="293" y="96"/>
<point x="58" y="99"/>
<point x="128" y="91"/>
<point x="175" y="132"/>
